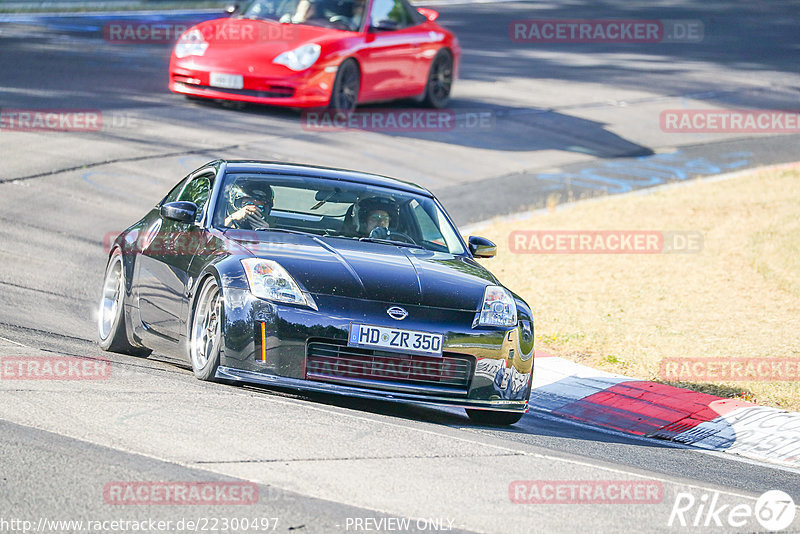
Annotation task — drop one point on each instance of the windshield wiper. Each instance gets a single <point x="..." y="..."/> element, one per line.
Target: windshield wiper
<point x="390" y="242"/>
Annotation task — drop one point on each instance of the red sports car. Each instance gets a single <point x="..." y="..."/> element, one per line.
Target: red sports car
<point x="317" y="53"/>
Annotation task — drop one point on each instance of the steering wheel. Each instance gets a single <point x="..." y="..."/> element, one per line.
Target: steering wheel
<point x="405" y="237"/>
<point x="342" y="20"/>
<point x="392" y="235"/>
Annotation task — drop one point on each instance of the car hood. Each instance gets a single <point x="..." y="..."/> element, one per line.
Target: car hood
<point x="238" y="40"/>
<point x="373" y="271"/>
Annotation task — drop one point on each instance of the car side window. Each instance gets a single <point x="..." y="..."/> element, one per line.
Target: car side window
<point x="389" y="15"/>
<point x="427" y="226"/>
<point x="172" y="196"/>
<point x="198" y="191"/>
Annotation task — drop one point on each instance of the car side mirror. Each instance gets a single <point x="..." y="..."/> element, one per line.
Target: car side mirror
<point x="428" y="13"/>
<point x="480" y="247"/>
<point x="184" y="212"/>
<point x="232" y="9"/>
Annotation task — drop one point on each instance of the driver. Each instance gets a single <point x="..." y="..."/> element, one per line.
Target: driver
<point x="249" y="206"/>
<point x="375" y="215"/>
<point x="305" y="10"/>
<point x="358" y="14"/>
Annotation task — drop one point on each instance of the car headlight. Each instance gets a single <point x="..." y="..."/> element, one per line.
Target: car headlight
<point x="191" y="43"/>
<point x="268" y="280"/>
<point x="498" y="309"/>
<point x="300" y="58"/>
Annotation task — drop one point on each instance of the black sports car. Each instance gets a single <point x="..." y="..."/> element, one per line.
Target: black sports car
<point x="319" y="279"/>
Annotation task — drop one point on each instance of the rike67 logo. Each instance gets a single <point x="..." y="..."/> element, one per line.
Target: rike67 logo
<point x="774" y="511"/>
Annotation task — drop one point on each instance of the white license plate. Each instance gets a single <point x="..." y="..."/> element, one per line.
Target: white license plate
<point x="395" y="339"/>
<point x="226" y="81"/>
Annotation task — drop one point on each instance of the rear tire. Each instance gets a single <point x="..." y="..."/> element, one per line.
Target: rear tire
<point x="112" y="335"/>
<point x="489" y="417"/>
<point x="205" y="337"/>
<point x="440" y="80"/>
<point x="344" y="96"/>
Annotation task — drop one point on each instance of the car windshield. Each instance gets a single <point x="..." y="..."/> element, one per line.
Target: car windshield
<point x="339" y="14"/>
<point x="337" y="209"/>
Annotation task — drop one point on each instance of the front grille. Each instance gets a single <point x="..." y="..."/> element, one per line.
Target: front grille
<point x="332" y="361"/>
<point x="273" y="91"/>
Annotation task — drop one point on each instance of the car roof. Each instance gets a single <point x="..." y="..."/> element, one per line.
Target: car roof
<point x="330" y="173"/>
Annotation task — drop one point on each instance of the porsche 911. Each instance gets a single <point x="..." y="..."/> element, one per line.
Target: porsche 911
<point x="318" y="53"/>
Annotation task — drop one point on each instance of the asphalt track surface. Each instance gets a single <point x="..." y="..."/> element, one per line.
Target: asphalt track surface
<point x="570" y="120"/>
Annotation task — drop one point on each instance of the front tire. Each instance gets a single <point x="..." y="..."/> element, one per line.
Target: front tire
<point x="112" y="335"/>
<point x="440" y="80"/>
<point x="489" y="417"/>
<point x="205" y="339"/>
<point x="346" y="86"/>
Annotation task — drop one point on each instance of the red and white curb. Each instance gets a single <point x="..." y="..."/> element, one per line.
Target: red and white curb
<point x="573" y="391"/>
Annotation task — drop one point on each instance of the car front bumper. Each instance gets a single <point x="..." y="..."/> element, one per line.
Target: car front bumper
<point x="239" y="375"/>
<point x="268" y="343"/>
<point x="306" y="89"/>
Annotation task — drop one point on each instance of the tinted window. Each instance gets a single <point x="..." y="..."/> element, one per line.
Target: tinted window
<point x="338" y="14"/>
<point x="172" y="196"/>
<point x="339" y="210"/>
<point x="197" y="191"/>
<point x="387" y="13"/>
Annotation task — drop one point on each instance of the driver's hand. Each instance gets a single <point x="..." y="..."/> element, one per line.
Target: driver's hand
<point x="379" y="232"/>
<point x="241" y="213"/>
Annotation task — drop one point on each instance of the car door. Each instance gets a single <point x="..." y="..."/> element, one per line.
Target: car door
<point x="389" y="53"/>
<point x="163" y="270"/>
